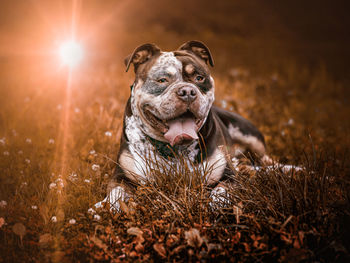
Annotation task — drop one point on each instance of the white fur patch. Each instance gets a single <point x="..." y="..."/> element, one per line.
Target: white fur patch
<point x="216" y="164"/>
<point x="218" y="196"/>
<point x="116" y="194"/>
<point x="246" y="140"/>
<point x="167" y="61"/>
<point x="171" y="70"/>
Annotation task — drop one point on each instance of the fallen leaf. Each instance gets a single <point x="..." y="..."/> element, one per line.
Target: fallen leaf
<point x="139" y="247"/>
<point x="133" y="254"/>
<point x="160" y="249"/>
<point x="45" y="239"/>
<point x="2" y="222"/>
<point x="135" y="231"/>
<point x="98" y="242"/>
<point x="193" y="237"/>
<point x="124" y="207"/>
<point x="19" y="229"/>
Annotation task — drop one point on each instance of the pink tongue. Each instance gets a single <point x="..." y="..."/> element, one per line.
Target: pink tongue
<point x="181" y="130"/>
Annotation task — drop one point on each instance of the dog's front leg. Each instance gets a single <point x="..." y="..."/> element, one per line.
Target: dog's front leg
<point x="117" y="194"/>
<point x="219" y="196"/>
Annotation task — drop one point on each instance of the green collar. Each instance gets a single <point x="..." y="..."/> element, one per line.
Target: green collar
<point x="167" y="151"/>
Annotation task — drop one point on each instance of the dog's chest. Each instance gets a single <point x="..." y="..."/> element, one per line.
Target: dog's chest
<point x="146" y="156"/>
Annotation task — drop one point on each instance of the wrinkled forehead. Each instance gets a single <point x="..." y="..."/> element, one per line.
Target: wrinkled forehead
<point x="166" y="63"/>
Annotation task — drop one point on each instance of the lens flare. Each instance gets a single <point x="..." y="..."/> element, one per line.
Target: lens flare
<point x="71" y="53"/>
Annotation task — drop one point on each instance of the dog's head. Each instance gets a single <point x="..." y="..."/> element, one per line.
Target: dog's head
<point x="173" y="91"/>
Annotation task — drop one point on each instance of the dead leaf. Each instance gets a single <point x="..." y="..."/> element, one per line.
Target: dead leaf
<point x="135" y="231"/>
<point x="19" y="229"/>
<point x="178" y="249"/>
<point x="133" y="254"/>
<point x="98" y="242"/>
<point x="139" y="247"/>
<point x="193" y="237"/>
<point x="124" y="207"/>
<point x="45" y="239"/>
<point x="160" y="249"/>
<point x="2" y="222"/>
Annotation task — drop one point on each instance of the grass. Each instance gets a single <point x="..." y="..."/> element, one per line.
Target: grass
<point x="268" y="215"/>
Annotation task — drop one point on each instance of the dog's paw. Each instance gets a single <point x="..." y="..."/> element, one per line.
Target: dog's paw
<point x="115" y="195"/>
<point x="218" y="197"/>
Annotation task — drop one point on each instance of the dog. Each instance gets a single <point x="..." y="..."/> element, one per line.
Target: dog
<point x="170" y="110"/>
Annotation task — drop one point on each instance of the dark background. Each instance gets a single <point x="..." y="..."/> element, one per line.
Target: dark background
<point x="255" y="34"/>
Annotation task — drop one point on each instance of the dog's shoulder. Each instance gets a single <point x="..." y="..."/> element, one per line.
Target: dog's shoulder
<point x="240" y="130"/>
<point x="236" y="121"/>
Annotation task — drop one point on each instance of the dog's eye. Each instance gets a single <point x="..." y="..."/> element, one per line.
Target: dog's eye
<point x="199" y="78"/>
<point x="162" y="80"/>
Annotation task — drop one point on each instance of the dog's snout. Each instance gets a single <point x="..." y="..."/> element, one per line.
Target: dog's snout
<point x="187" y="94"/>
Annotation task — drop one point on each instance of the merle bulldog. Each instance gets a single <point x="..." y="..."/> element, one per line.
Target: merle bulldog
<point x="171" y="110"/>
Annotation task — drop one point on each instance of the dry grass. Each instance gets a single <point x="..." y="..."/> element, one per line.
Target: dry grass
<point x="269" y="215"/>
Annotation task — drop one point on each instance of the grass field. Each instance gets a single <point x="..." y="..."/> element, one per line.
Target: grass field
<point x="59" y="137"/>
<point x="272" y="215"/>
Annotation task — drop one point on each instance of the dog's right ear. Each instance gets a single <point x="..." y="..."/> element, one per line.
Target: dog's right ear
<point x="140" y="55"/>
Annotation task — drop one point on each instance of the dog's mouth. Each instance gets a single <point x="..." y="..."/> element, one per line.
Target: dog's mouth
<point x="180" y="130"/>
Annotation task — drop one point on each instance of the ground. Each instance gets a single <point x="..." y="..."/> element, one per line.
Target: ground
<point x="59" y="137"/>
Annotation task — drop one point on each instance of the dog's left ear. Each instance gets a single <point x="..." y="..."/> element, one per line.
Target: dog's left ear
<point x="199" y="49"/>
<point x="140" y="55"/>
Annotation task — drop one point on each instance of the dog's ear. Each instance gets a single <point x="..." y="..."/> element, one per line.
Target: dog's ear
<point x="199" y="49"/>
<point x="140" y="55"/>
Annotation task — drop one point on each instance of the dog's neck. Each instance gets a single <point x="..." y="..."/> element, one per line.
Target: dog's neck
<point x="142" y="144"/>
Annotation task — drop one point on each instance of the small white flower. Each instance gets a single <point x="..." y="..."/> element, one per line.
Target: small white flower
<point x="59" y="107"/>
<point x="106" y="175"/>
<point x="97" y="217"/>
<point x="283" y="133"/>
<point x="3" y="203"/>
<point x="224" y="104"/>
<point x="92" y="152"/>
<point x="95" y="167"/>
<point x="52" y="185"/>
<point x="3" y="140"/>
<point x="28" y="140"/>
<point x="73" y="177"/>
<point x="91" y="211"/>
<point x="6" y="153"/>
<point x="24" y="184"/>
<point x="76" y="110"/>
<point x="51" y="141"/>
<point x="53" y="219"/>
<point x="108" y="134"/>
<point x="27" y="161"/>
<point x="59" y="180"/>
<point x="34" y="207"/>
<point x="72" y="221"/>
<point x="87" y="181"/>
<point x="20" y="152"/>
<point x="290" y="121"/>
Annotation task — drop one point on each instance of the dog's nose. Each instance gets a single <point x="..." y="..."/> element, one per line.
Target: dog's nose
<point x="187" y="94"/>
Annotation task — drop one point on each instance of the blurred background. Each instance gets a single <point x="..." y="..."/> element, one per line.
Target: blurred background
<point x="302" y="47"/>
<point x="254" y="34"/>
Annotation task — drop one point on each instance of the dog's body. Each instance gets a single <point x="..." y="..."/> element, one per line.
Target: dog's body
<point x="170" y="112"/>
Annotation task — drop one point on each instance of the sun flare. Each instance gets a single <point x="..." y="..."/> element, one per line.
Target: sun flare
<point x="71" y="53"/>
